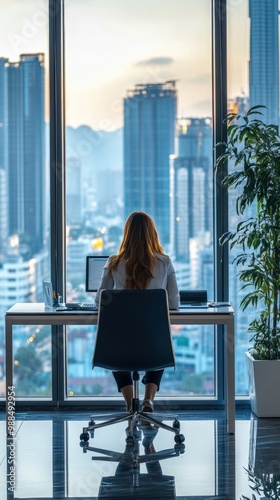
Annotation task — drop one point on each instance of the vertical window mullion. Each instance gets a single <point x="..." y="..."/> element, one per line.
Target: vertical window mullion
<point x="220" y="199"/>
<point x="219" y="75"/>
<point x="57" y="181"/>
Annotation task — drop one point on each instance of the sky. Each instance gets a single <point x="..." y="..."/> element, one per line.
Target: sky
<point x="113" y="45"/>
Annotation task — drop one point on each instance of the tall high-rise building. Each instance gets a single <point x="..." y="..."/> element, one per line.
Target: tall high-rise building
<point x="24" y="147"/>
<point x="264" y="57"/>
<point x="191" y="187"/>
<point x="149" y="139"/>
<point x="73" y="191"/>
<point x="3" y="213"/>
<point x="3" y="108"/>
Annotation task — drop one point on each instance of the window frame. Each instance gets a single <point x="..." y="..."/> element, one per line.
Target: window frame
<point x="57" y="192"/>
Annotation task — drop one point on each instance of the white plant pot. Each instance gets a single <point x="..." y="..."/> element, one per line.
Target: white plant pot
<point x="264" y="386"/>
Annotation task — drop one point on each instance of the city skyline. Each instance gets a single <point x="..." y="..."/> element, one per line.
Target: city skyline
<point x="176" y="45"/>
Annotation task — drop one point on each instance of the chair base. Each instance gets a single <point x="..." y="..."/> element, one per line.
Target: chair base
<point x="135" y="419"/>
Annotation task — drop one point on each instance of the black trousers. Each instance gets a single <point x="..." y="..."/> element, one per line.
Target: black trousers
<point x="125" y="378"/>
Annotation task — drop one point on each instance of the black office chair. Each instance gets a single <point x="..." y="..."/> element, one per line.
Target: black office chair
<point x="133" y="334"/>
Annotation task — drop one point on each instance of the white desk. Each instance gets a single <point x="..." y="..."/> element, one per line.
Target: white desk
<point x="35" y="314"/>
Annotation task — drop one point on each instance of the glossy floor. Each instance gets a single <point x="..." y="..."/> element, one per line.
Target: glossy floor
<point x="50" y="463"/>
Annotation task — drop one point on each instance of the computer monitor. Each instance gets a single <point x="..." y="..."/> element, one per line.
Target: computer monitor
<point x="94" y="269"/>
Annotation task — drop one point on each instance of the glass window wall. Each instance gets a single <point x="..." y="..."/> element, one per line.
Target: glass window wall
<point x="139" y="137"/>
<point x="24" y="183"/>
<point x="253" y="69"/>
<point x="139" y="134"/>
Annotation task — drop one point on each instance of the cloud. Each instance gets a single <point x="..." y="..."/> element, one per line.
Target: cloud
<point x="201" y="78"/>
<point x="163" y="61"/>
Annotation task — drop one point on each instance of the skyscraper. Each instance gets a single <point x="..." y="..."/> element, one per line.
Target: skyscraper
<point x="3" y="212"/>
<point x="3" y="108"/>
<point x="24" y="148"/>
<point x="149" y="139"/>
<point x="74" y="191"/>
<point x="264" y="57"/>
<point x="191" y="189"/>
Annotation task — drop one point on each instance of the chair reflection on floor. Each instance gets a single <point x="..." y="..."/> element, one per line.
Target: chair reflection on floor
<point x="128" y="482"/>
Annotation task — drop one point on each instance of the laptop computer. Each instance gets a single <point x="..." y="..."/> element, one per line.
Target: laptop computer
<point x="193" y="298"/>
<point x="48" y="293"/>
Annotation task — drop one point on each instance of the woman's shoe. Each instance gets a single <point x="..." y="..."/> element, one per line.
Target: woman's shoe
<point x="147" y="406"/>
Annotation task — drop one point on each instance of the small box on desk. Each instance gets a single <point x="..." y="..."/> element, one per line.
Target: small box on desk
<point x="193" y="296"/>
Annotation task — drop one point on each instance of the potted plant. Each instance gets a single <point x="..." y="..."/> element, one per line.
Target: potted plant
<point x="253" y="156"/>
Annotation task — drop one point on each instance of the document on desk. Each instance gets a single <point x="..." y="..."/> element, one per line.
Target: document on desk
<point x="28" y="307"/>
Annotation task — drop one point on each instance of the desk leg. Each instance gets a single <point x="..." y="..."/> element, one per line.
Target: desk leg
<point x="10" y="392"/>
<point x="230" y="382"/>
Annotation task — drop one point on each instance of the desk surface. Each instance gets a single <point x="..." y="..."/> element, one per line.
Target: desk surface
<point x="39" y="309"/>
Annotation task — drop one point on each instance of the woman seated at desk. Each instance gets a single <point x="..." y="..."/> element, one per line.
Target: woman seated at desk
<point x="140" y="264"/>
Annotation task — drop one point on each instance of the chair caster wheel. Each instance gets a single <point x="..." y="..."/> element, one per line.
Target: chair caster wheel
<point x="179" y="448"/>
<point x="84" y="436"/>
<point x="84" y="445"/>
<point x="176" y="424"/>
<point x="179" y="438"/>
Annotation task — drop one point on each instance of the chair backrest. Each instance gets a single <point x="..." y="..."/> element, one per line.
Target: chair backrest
<point x="133" y="331"/>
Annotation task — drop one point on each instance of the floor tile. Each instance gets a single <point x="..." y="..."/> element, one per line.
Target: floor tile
<point x="50" y="462"/>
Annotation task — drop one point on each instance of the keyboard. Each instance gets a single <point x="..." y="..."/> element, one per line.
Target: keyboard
<point x="81" y="306"/>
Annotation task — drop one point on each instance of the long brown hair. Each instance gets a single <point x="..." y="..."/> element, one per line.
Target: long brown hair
<point x="139" y="245"/>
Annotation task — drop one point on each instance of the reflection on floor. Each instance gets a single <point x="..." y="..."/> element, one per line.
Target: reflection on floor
<point x="49" y="461"/>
